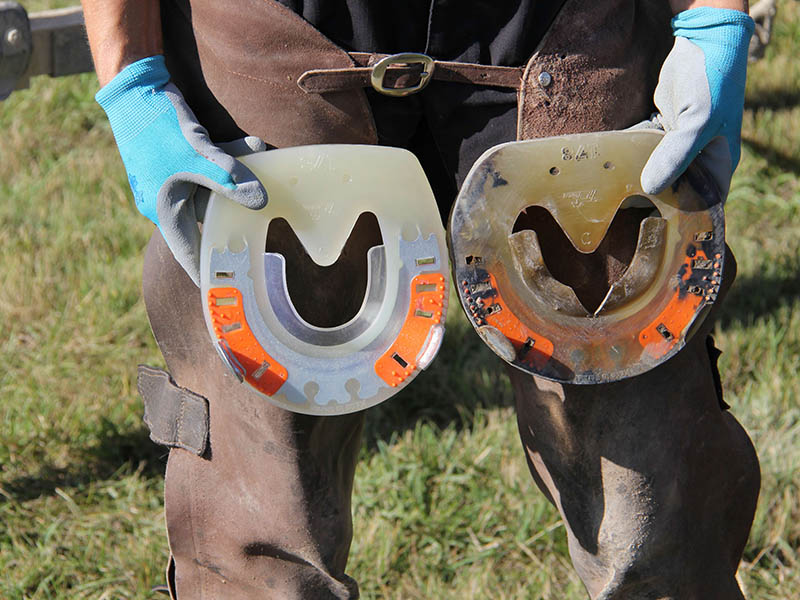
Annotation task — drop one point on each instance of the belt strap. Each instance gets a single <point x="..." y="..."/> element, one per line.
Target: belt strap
<point x="176" y="417"/>
<point x="319" y="81"/>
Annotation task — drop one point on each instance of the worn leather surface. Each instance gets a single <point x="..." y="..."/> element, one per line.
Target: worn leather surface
<point x="248" y="60"/>
<point x="176" y="417"/>
<point x="654" y="480"/>
<point x="603" y="59"/>
<point x="657" y="484"/>
<point x="265" y="512"/>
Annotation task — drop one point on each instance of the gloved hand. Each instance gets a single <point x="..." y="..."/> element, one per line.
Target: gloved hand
<point x="700" y="97"/>
<point x="168" y="154"/>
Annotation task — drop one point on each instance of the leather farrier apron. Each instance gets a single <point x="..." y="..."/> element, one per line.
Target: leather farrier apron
<point x="258" y="505"/>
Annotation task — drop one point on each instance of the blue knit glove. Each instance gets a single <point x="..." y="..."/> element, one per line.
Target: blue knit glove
<point x="700" y="97"/>
<point x="168" y="154"/>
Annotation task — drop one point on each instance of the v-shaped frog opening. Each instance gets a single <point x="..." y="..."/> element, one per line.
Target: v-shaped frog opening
<point x="326" y="296"/>
<point x="591" y="275"/>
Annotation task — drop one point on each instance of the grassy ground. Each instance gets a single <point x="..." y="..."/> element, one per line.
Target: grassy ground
<point x="444" y="507"/>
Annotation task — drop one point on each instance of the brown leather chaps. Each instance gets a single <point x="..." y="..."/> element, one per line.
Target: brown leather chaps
<point x="656" y="481"/>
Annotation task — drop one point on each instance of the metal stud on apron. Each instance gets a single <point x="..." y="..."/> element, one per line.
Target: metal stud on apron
<point x="321" y="191"/>
<point x="535" y="322"/>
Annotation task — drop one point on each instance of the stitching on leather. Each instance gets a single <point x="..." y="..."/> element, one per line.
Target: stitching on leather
<point x="179" y="428"/>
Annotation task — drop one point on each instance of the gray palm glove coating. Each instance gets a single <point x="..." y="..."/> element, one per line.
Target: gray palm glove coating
<point x="181" y="200"/>
<point x="168" y="156"/>
<point x="237" y="148"/>
<point x="683" y="99"/>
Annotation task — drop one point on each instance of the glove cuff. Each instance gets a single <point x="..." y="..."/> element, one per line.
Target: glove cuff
<point x="724" y="36"/>
<point x="734" y="26"/>
<point x="150" y="72"/>
<point x="129" y="99"/>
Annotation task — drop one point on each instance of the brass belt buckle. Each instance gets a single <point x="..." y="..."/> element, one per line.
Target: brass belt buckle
<point x="406" y="58"/>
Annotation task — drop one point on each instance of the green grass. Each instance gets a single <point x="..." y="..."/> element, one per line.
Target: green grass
<point x="443" y="506"/>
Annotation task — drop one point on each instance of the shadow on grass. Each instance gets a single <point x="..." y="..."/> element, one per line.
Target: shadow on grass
<point x="465" y="377"/>
<point x="753" y="297"/>
<point x="782" y="160"/>
<point x="772" y="99"/>
<point x="116" y="454"/>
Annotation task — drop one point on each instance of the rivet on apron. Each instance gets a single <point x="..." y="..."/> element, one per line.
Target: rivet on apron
<point x="545" y="79"/>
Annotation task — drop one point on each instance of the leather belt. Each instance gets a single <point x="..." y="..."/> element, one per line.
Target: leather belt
<point x="404" y="74"/>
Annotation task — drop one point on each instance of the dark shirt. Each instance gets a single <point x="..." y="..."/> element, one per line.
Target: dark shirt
<point x="497" y="32"/>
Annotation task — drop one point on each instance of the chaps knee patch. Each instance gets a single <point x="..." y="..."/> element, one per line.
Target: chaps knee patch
<point x="176" y="417"/>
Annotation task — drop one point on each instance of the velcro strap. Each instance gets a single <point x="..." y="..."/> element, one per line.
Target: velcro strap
<point x="176" y="417"/>
<point x="319" y="81"/>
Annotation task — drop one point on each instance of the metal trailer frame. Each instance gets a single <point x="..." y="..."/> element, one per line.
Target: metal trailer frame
<point x="50" y="42"/>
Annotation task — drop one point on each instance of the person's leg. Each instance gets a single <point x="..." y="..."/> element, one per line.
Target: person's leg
<point x="656" y="481"/>
<point x="265" y="511"/>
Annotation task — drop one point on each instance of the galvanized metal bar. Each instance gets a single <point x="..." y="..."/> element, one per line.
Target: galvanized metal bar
<point x="15" y="45"/>
<point x="60" y="46"/>
<point x="50" y="42"/>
